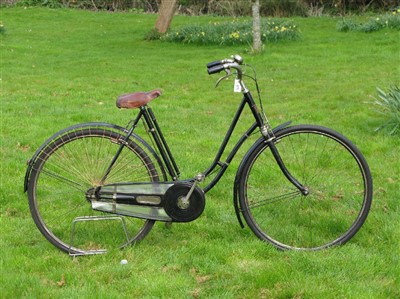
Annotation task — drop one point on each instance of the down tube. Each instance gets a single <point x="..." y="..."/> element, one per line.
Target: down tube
<point x="224" y="165"/>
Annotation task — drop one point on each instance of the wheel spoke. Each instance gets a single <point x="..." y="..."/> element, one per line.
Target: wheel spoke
<point x="71" y="183"/>
<point x="337" y="178"/>
<point x="275" y="199"/>
<point x="62" y="174"/>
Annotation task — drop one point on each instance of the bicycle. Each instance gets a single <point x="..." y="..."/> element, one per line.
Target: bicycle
<point x="301" y="187"/>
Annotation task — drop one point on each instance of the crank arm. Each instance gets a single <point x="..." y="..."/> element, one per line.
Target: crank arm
<point x="198" y="179"/>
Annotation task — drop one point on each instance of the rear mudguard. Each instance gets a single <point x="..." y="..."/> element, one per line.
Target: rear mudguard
<point x="239" y="172"/>
<point x="83" y="126"/>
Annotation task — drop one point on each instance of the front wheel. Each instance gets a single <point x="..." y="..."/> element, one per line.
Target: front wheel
<point x="64" y="171"/>
<point x="329" y="166"/>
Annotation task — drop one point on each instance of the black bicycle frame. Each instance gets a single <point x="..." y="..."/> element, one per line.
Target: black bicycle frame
<point x="170" y="164"/>
<point x="169" y="161"/>
<point x="247" y="99"/>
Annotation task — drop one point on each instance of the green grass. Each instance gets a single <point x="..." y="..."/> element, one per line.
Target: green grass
<point x="61" y="67"/>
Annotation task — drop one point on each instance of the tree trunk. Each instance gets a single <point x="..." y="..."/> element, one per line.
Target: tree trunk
<point x="165" y="15"/>
<point x="257" y="44"/>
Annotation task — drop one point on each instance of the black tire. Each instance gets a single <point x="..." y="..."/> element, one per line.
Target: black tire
<point x="334" y="171"/>
<point x="62" y="173"/>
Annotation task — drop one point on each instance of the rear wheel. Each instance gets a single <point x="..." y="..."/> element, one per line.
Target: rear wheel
<point x="336" y="175"/>
<point x="65" y="170"/>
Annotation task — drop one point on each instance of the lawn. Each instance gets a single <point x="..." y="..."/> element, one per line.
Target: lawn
<point x="62" y="67"/>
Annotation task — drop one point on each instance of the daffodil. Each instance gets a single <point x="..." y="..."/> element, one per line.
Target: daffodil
<point x="235" y="35"/>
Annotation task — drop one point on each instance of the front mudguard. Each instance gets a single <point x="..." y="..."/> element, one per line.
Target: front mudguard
<point x="112" y="127"/>
<point x="239" y="172"/>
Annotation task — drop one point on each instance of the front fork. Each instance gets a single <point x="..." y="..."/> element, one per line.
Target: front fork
<point x="271" y="140"/>
<point x="271" y="144"/>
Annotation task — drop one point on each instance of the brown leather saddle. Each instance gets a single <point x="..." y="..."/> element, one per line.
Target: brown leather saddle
<point x="137" y="99"/>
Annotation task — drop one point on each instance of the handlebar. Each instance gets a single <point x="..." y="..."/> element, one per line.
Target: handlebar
<point x="215" y="69"/>
<point x="214" y="63"/>
<point x="226" y="64"/>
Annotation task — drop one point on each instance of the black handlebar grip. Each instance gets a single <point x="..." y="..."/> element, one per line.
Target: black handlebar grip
<point x="214" y="63"/>
<point x="215" y="69"/>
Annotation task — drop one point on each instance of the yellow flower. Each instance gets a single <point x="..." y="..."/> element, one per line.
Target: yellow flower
<point x="235" y="35"/>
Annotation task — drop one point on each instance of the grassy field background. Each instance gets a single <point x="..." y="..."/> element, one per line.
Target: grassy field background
<point x="61" y="67"/>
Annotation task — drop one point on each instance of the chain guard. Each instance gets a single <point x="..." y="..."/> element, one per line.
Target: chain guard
<point x="178" y="208"/>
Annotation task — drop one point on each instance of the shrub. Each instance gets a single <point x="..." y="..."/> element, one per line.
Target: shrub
<point x="153" y="34"/>
<point x="388" y="104"/>
<point x="45" y="3"/>
<point x="346" y="25"/>
<point x="391" y="20"/>
<point x="233" y="33"/>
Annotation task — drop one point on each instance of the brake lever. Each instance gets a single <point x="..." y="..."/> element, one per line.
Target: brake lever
<point x="228" y="74"/>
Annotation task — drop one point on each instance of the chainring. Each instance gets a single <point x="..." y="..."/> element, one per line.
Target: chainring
<point x="180" y="209"/>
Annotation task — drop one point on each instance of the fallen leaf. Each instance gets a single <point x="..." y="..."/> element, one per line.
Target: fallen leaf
<point x="386" y="209"/>
<point x="62" y="281"/>
<point x="196" y="293"/>
<point x="337" y="196"/>
<point x="202" y="279"/>
<point x="391" y="181"/>
<point x="23" y="148"/>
